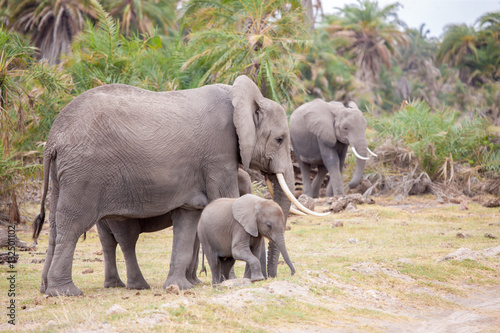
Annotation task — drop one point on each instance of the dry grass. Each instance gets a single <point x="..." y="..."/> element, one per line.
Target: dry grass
<point x="380" y="271"/>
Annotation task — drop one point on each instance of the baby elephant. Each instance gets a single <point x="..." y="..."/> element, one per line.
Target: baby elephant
<point x="233" y="229"/>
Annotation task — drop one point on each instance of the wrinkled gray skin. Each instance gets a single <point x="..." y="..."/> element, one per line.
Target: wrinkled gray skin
<point x="321" y="133"/>
<point x="126" y="233"/>
<point x="120" y="152"/>
<point x="234" y="229"/>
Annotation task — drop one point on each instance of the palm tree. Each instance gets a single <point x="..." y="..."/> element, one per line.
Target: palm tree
<point x="372" y="34"/>
<point x="474" y="51"/>
<point x="489" y="48"/>
<point x="51" y="23"/>
<point x="25" y="85"/>
<point x="143" y="15"/>
<point x="266" y="40"/>
<point x="329" y="75"/>
<point x="417" y="61"/>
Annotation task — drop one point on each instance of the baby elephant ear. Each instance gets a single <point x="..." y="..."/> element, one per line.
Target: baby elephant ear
<point x="244" y="213"/>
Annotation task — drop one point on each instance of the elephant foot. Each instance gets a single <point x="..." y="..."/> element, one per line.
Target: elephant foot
<point x="114" y="283"/>
<point x="257" y="277"/>
<point x="68" y="289"/>
<point x="194" y="280"/>
<point x="43" y="286"/>
<point x="182" y="282"/>
<point x="138" y="285"/>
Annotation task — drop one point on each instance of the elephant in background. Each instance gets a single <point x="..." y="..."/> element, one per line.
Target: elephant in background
<point x="234" y="229"/>
<point x="120" y="152"/>
<point x="321" y="133"/>
<point x="126" y="233"/>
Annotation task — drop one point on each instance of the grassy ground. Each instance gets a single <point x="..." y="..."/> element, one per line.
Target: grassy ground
<point x="379" y="272"/>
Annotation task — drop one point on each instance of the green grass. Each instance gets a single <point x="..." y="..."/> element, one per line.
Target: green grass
<point x="359" y="285"/>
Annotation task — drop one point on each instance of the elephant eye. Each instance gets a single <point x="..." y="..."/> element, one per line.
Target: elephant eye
<point x="269" y="226"/>
<point x="279" y="140"/>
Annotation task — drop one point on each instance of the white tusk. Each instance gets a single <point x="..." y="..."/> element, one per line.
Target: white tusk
<point x="270" y="186"/>
<point x="284" y="187"/>
<point x="372" y="152"/>
<point x="271" y="191"/>
<point x="357" y="155"/>
<point x="297" y="212"/>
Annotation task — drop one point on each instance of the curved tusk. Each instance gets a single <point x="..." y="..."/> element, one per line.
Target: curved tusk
<point x="357" y="155"/>
<point x="284" y="187"/>
<point x="372" y="152"/>
<point x="270" y="187"/>
<point x="297" y="212"/>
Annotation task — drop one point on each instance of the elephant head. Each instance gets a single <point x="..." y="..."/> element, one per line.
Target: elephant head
<point x="333" y="122"/>
<point x="261" y="217"/>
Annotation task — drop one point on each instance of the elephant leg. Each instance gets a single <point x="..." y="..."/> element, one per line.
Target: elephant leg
<point x="214" y="263"/>
<point x="243" y="253"/>
<point x="185" y="223"/>
<point x="109" y="243"/>
<point x="227" y="266"/>
<point x="331" y="161"/>
<point x="232" y="274"/>
<point x="318" y="180"/>
<point x="263" y="262"/>
<point x="193" y="267"/>
<point x="127" y="234"/>
<point x="50" y="253"/>
<point x="52" y="232"/>
<point x="69" y="228"/>
<point x="305" y="170"/>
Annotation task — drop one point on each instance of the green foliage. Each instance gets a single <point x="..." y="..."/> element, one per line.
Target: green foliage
<point x="30" y="92"/>
<point x="435" y="137"/>
<point x="266" y="40"/>
<point x="474" y="51"/>
<point x="143" y="16"/>
<point x="327" y="73"/>
<point x="101" y="55"/>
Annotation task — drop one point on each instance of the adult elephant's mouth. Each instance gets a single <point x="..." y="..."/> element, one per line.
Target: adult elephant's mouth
<point x="291" y="197"/>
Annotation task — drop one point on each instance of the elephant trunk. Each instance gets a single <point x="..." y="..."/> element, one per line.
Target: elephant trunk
<point x="281" y="246"/>
<point x="360" y="166"/>
<point x="282" y="200"/>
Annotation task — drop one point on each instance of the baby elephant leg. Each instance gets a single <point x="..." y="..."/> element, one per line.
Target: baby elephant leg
<point x="227" y="266"/>
<point x="244" y="253"/>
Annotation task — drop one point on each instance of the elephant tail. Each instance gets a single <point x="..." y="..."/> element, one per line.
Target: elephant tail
<point x="40" y="218"/>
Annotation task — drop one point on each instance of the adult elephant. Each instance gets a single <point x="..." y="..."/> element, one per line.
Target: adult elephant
<point x="126" y="233"/>
<point x="121" y="152"/>
<point x="321" y="133"/>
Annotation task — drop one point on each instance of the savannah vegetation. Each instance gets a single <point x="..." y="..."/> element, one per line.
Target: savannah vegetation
<point x="432" y="105"/>
<point x="51" y="51"/>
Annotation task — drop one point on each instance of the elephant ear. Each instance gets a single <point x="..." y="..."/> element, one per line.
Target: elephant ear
<point x="245" y="213"/>
<point x="352" y="105"/>
<point x="247" y="101"/>
<point x="320" y="120"/>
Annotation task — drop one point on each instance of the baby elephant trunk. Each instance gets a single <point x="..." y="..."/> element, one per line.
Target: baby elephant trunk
<point x="281" y="246"/>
